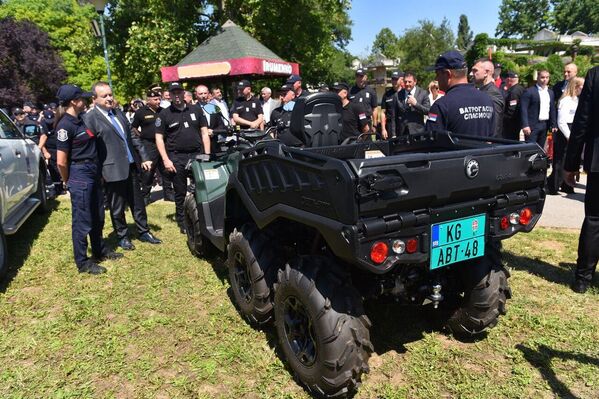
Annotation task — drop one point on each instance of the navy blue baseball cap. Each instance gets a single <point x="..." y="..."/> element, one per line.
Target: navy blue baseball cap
<point x="340" y="86"/>
<point x="512" y="74"/>
<point x="397" y="75"/>
<point x="174" y="86"/>
<point x="293" y="78"/>
<point x="360" y="72"/>
<point x="242" y="84"/>
<point x="286" y="87"/>
<point x="449" y="60"/>
<point x="70" y="92"/>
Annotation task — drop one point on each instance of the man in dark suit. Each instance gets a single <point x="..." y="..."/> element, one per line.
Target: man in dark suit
<point x="118" y="150"/>
<point x="585" y="134"/>
<point x="411" y="106"/>
<point x="482" y="72"/>
<point x="537" y="110"/>
<point x="511" y="116"/>
<point x="570" y="72"/>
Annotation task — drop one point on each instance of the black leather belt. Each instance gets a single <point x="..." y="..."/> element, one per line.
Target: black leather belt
<point x="82" y="161"/>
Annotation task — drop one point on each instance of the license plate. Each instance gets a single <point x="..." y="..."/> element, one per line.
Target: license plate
<point x="457" y="240"/>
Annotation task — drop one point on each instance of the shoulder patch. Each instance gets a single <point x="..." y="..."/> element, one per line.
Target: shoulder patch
<point x="62" y="135"/>
<point x="158" y="122"/>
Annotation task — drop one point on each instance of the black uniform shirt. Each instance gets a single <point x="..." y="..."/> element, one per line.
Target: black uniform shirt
<point x="463" y="110"/>
<point x="365" y="96"/>
<point x="145" y="121"/>
<point x="74" y="138"/>
<point x="512" y="103"/>
<point x="354" y="120"/>
<point x="388" y="102"/>
<point x="247" y="109"/>
<point x="181" y="128"/>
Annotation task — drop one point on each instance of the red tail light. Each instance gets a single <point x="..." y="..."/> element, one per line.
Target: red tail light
<point x="504" y="223"/>
<point x="378" y="252"/>
<point x="412" y="245"/>
<point x="525" y="216"/>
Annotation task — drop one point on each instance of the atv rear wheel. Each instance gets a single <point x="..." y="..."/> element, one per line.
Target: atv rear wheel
<point x="252" y="265"/>
<point x="199" y="245"/>
<point x="321" y="326"/>
<point x="485" y="296"/>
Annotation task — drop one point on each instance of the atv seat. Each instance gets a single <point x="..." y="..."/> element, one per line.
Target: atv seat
<point x="317" y="119"/>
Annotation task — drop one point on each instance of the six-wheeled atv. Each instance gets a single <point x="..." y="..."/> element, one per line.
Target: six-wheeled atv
<point x="310" y="233"/>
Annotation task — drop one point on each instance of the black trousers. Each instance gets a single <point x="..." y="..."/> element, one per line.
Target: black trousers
<point x="511" y="129"/>
<point x="121" y="194"/>
<point x="147" y="176"/>
<point x="588" y="248"/>
<point x="555" y="180"/>
<point x="538" y="133"/>
<point x="179" y="179"/>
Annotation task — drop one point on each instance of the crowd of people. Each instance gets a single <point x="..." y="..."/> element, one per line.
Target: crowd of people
<point x="113" y="157"/>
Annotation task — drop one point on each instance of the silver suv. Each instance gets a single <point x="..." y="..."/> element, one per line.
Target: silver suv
<point x="22" y="182"/>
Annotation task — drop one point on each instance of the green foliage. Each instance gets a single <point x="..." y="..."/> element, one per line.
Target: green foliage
<point x="69" y="28"/>
<point x="464" y="38"/>
<point x="581" y="15"/>
<point x="422" y="45"/>
<point x="584" y="63"/>
<point x="386" y="43"/>
<point x="478" y="49"/>
<point x="145" y="35"/>
<point x="311" y="32"/>
<point x="522" y="18"/>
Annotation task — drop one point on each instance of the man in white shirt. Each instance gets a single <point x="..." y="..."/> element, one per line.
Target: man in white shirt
<point x="268" y="103"/>
<point x="537" y="110"/>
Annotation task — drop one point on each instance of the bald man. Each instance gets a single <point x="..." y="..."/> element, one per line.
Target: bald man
<point x="570" y="71"/>
<point x="482" y="72"/>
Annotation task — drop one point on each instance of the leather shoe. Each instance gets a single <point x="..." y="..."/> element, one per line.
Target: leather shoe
<point x="91" y="268"/>
<point x="580" y="286"/>
<point x="148" y="237"/>
<point x="126" y="244"/>
<point x="108" y="255"/>
<point x="566" y="189"/>
<point x="182" y="230"/>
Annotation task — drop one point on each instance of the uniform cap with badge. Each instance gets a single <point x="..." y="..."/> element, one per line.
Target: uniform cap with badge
<point x="242" y="84"/>
<point x="512" y="74"/>
<point x="67" y="93"/>
<point x="397" y="74"/>
<point x="338" y="86"/>
<point x="360" y="72"/>
<point x="174" y="86"/>
<point x="18" y="111"/>
<point x="293" y="78"/>
<point x="153" y="93"/>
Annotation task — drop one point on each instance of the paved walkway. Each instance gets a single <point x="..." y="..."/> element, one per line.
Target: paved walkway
<point x="565" y="210"/>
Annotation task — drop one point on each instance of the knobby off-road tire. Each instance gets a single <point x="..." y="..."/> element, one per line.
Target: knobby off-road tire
<point x="199" y="245"/>
<point x="321" y="326"/>
<point x="252" y="262"/>
<point x="485" y="296"/>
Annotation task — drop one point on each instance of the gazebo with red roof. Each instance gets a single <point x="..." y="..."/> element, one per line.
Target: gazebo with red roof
<point x="230" y="53"/>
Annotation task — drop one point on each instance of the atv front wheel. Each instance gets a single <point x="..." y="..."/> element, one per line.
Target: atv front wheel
<point x="252" y="265"/>
<point x="199" y="245"/>
<point x="321" y="326"/>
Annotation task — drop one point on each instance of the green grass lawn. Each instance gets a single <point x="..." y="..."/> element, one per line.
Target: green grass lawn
<point x="160" y="324"/>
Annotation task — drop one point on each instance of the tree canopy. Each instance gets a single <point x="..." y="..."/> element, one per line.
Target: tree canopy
<point x="464" y="39"/>
<point x="69" y="27"/>
<point x="386" y="43"/>
<point x="31" y="68"/>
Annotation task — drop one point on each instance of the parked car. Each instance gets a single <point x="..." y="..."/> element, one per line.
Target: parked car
<point x="23" y="188"/>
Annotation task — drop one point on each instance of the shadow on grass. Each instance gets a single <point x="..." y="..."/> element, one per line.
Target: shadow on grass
<point x="19" y="245"/>
<point x="559" y="274"/>
<point x="541" y="359"/>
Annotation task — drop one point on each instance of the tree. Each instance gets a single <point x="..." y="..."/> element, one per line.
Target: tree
<point x="522" y="18"/>
<point x="386" y="43"/>
<point x="148" y="34"/>
<point x="478" y="49"/>
<point x="570" y="16"/>
<point x="422" y="45"/>
<point x="31" y="69"/>
<point x="464" y="40"/>
<point x="69" y="28"/>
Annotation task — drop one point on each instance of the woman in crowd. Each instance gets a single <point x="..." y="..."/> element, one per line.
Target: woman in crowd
<point x="433" y="92"/>
<point x="77" y="161"/>
<point x="566" y="109"/>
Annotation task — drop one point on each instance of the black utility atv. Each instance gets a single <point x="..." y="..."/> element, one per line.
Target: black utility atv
<point x="311" y="232"/>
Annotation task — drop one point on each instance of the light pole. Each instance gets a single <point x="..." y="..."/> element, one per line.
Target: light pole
<point x="99" y="5"/>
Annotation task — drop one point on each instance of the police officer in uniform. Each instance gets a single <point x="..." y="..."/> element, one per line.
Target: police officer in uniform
<point x="463" y="109"/>
<point x="48" y="146"/>
<point x="280" y="117"/>
<point x="296" y="82"/>
<point x="144" y="125"/>
<point x="77" y="160"/>
<point x="30" y="129"/>
<point x="181" y="134"/>
<point x="366" y="95"/>
<point x="388" y="104"/>
<point x="355" y="118"/>
<point x="247" y="111"/>
<point x="511" y="116"/>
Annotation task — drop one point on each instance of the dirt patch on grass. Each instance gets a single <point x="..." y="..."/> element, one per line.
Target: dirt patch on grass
<point x="114" y="386"/>
<point x="551" y="244"/>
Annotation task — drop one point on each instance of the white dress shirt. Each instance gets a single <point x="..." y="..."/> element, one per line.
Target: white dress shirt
<point x="544" y="105"/>
<point x="566" y="109"/>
